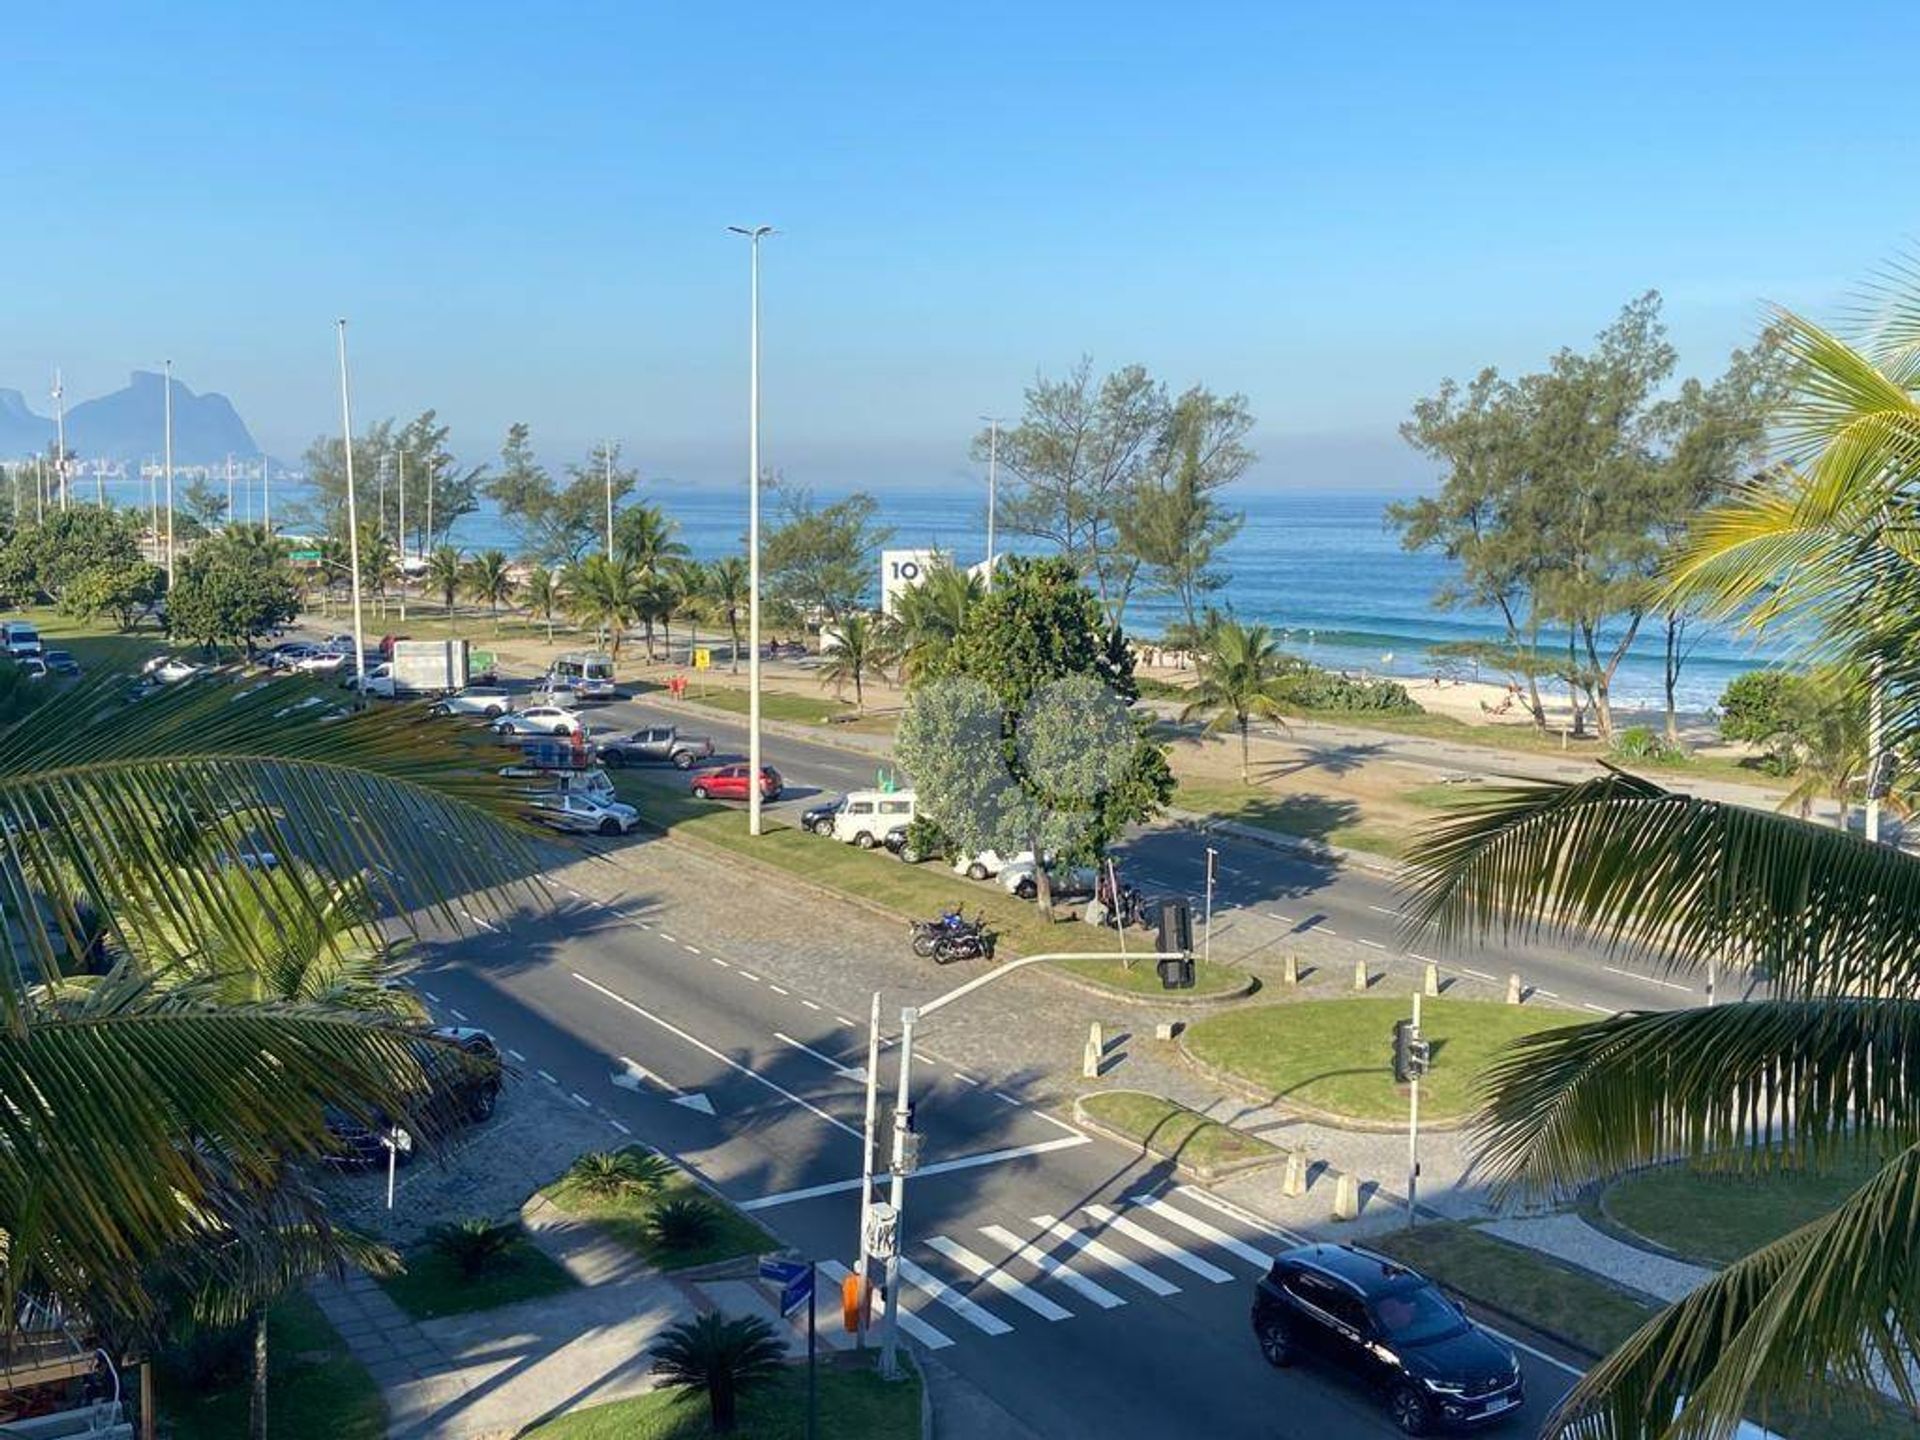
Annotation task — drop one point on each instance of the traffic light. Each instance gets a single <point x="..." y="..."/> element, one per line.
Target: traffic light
<point x="906" y="1141"/>
<point x="1411" y="1055"/>
<point x="1176" y="945"/>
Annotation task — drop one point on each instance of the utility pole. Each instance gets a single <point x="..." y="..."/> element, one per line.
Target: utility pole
<point x="353" y="526"/>
<point x="1206" y="935"/>
<point x="606" y="452"/>
<point x="168" y="381"/>
<point x="993" y="478"/>
<point x="230" y="515"/>
<point x="401" y="457"/>
<point x="1413" y="1120"/>
<point x="862" y="1269"/>
<point x="60" y="433"/>
<point x="266" y="497"/>
<point x="754" y="236"/>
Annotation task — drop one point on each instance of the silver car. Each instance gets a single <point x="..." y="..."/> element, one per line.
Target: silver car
<point x="488" y="700"/>
<point x="585" y="814"/>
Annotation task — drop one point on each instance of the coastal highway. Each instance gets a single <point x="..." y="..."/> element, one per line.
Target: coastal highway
<point x="1272" y="896"/>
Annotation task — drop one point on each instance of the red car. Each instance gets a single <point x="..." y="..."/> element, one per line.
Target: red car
<point x="729" y="782"/>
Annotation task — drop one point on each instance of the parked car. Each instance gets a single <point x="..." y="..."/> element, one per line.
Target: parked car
<point x="897" y="844"/>
<point x="466" y="1077"/>
<point x="168" y="669"/>
<point x="488" y="700"/>
<point x="32" y="666"/>
<point x="565" y="696"/>
<point x="657" y="744"/>
<point x="584" y="814"/>
<point x="61" y="662"/>
<point x="1066" y="882"/>
<point x="1360" y="1311"/>
<point x="19" y="638"/>
<point x="540" y="720"/>
<point x="987" y="864"/>
<point x="818" y="819"/>
<point x="729" y="782"/>
<point x="337" y="644"/>
<point x="865" y="816"/>
<point x="283" y="655"/>
<point x="320" y="662"/>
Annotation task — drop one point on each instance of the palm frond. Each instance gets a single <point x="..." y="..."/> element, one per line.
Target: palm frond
<point x="1832" y="1305"/>
<point x="1674" y="877"/>
<point x="1758" y="1084"/>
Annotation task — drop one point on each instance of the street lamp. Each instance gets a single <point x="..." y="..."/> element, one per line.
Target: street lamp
<point x="754" y="235"/>
<point x="353" y="526"/>
<point x="167" y="381"/>
<point x="994" y="423"/>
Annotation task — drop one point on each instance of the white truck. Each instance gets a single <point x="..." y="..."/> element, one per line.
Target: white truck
<point x="420" y="667"/>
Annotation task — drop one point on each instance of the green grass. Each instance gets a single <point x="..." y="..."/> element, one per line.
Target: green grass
<point x="624" y="1217"/>
<point x="315" y="1389"/>
<point x="1142" y="978"/>
<point x="774" y="704"/>
<point x="1172" y="1130"/>
<point x="855" y="1404"/>
<point x="98" y="645"/>
<point x="1719" y="1217"/>
<point x="430" y="1286"/>
<point x="1327" y="818"/>
<point x="1336" y="1055"/>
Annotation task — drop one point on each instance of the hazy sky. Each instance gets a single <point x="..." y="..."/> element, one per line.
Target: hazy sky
<point x="521" y="209"/>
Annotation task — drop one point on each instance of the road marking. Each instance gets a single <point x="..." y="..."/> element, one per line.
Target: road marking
<point x="458" y="1015"/>
<point x="431" y="996"/>
<point x="690" y="949"/>
<point x="1013" y="1289"/>
<point x="749" y="975"/>
<point x="1057" y="1124"/>
<point x="1276" y="915"/>
<point x="1423" y="959"/>
<point x="663" y="934"/>
<point x="1212" y="1234"/>
<point x="1550" y="994"/>
<point x="1383" y="910"/>
<point x="1002" y="1095"/>
<point x="727" y="1060"/>
<point x="575" y="893"/>
<point x="809" y="1004"/>
<point x="1479" y="974"/>
<point x="1205" y="1269"/>
<point x="845" y="1072"/>
<point x="1649" y="979"/>
<point x="1323" y="929"/>
<point x="546" y="1077"/>
<point x="618" y="1126"/>
<point x="1374" y="943"/>
<point x="580" y="1100"/>
<point x="939" y="1167"/>
<point x="964" y="1078"/>
<point x="1597" y="1009"/>
<point x="517" y="1055"/>
<point x="778" y="990"/>
<point x="1106" y="1256"/>
<point x="1053" y="1267"/>
<point x="846" y="1022"/>
<point x="984" y="1320"/>
<point x="724" y="965"/>
<point x="909" y="1322"/>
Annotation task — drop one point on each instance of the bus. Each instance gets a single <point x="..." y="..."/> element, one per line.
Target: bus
<point x="588" y="673"/>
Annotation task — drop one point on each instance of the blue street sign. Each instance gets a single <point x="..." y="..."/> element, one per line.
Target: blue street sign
<point x="781" y="1272"/>
<point x="797" y="1294"/>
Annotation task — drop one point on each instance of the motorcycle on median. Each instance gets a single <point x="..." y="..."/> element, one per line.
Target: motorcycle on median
<point x="951" y="937"/>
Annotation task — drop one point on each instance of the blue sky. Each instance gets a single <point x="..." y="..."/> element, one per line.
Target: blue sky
<point x="522" y="209"/>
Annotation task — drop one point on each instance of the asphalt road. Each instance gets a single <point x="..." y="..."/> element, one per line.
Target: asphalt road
<point x="1087" y="1292"/>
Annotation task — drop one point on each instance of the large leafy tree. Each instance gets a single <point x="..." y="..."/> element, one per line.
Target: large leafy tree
<point x="50" y="556"/>
<point x="439" y="491"/>
<point x="124" y="589"/>
<point x="232" y="588"/>
<point x="820" y="559"/>
<point x="1818" y="1072"/>
<point x="1242" y="671"/>
<point x="557" y="523"/>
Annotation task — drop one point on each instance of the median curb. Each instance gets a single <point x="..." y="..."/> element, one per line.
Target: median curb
<point x="1113" y="992"/>
<point x="1239" y="1085"/>
<point x="1204" y="1174"/>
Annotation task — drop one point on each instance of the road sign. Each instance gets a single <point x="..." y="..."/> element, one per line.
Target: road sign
<point x="794" y="1277"/>
<point x="883" y="1225"/>
<point x="703" y="658"/>
<point x="305" y="557"/>
<point x="793" y="1296"/>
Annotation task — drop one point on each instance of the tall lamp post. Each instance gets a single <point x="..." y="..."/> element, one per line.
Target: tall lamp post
<point x="353" y="527"/>
<point x="993" y="478"/>
<point x="754" y="236"/>
<point x="167" y="383"/>
<point x="606" y="454"/>
<point x="60" y="429"/>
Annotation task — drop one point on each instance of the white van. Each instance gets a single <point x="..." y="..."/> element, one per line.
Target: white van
<point x="865" y="816"/>
<point x="20" y="638"/>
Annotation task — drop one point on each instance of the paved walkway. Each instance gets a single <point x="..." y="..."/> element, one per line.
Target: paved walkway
<point x="1569" y="1238"/>
<point x="493" y="1372"/>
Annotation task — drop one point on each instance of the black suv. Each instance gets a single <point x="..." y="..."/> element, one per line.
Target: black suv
<point x="466" y="1087"/>
<point x="1394" y="1328"/>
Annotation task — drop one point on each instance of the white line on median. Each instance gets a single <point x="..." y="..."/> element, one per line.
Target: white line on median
<point x="1480" y="975"/>
<point x="663" y="934"/>
<point x="727" y="1060"/>
<point x="1597" y="1009"/>
<point x="459" y="1015"/>
<point x="690" y="949"/>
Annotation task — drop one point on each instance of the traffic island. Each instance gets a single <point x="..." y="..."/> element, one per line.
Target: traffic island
<point x="1332" y="1060"/>
<point x="474" y="1265"/>
<point x="1201" y="1149"/>
<point x="677" y="1225"/>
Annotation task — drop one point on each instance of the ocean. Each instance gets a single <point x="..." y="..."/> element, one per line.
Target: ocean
<point x="1321" y="567"/>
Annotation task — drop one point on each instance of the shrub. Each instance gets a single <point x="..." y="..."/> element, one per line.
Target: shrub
<point x="473" y="1246"/>
<point x="682" y="1223"/>
<point x="1312" y="688"/>
<point x="1638" y="742"/>
<point x="605" y="1174"/>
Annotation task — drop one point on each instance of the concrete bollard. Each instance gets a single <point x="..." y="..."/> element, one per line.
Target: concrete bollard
<point x="1290" y="970"/>
<point x="1359" y="974"/>
<point x="1514" y="993"/>
<point x="1432" y="984"/>
<point x="1294" y="1184"/>
<point x="1096" y="1052"/>
<point x="1346" y="1197"/>
<point x="1166" y="1029"/>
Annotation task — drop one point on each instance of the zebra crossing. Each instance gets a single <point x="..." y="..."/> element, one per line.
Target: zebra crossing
<point x="1054" y="1268"/>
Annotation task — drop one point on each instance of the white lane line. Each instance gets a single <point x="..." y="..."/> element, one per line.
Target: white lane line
<point x="670" y="939"/>
<point x="846" y="1022"/>
<point x="459" y="1015"/>
<point x="1002" y="1095"/>
<point x="964" y="1078"/>
<point x="580" y="1100"/>
<point x="1374" y="943"/>
<point x="1276" y="915"/>
<point x="749" y="975"/>
<point x="546" y="1077"/>
<point x="1324" y="929"/>
<point x="939" y="1167"/>
<point x="1106" y="1255"/>
<point x="840" y="1067"/>
<point x="1550" y="994"/>
<point x="618" y="1126"/>
<point x="1057" y="1124"/>
<point x="1052" y="1267"/>
<point x="1212" y="1234"/>
<point x="777" y="989"/>
<point x="1649" y="979"/>
<point x="1479" y="974"/>
<point x="1423" y="959"/>
<point x="1013" y="1289"/>
<point x="721" y="963"/>
<point x="983" y="1320"/>
<point x="1383" y="910"/>
<point x="809" y="1004"/>
<point x="690" y="949"/>
<point x="909" y="1322"/>
<point x="575" y="893"/>
<point x="431" y="996"/>
<point x="1597" y="1009"/>
<point x="727" y="1060"/>
<point x="1205" y="1269"/>
<point x="516" y="1055"/>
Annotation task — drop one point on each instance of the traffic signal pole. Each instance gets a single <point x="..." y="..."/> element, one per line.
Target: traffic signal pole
<point x="1413" y="1128"/>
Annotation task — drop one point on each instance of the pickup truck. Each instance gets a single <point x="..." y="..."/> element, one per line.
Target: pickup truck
<point x="662" y="744"/>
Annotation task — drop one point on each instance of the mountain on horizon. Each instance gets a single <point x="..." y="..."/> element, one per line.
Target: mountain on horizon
<point x="130" y="425"/>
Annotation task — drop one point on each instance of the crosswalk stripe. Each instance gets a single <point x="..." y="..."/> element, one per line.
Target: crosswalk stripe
<point x="1013" y="1289"/>
<point x="1212" y="1234"/>
<point x="1049" y="1265"/>
<point x="1106" y="1255"/>
<point x="939" y="1289"/>
<point x="1205" y="1269"/>
<point x="909" y="1322"/>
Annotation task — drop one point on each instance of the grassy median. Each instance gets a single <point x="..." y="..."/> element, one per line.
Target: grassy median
<point x="625" y="1218"/>
<point x="432" y="1286"/>
<point x="1168" y="1129"/>
<point x="855" y="1404"/>
<point x="1720" y="1216"/>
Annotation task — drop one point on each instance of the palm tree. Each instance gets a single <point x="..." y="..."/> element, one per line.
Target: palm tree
<point x="931" y="614"/>
<point x="1818" y="1072"/>
<point x="681" y="585"/>
<point x="606" y="594"/>
<point x="643" y="537"/>
<point x="1241" y="676"/>
<point x="543" y="595"/>
<point x="726" y="592"/>
<point x="143" y="1110"/>
<point x="861" y="645"/>
<point x="721" y="1356"/>
<point x="445" y="574"/>
<point x="489" y="578"/>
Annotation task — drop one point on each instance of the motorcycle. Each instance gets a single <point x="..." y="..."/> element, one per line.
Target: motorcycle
<point x="926" y="933"/>
<point x="971" y="944"/>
